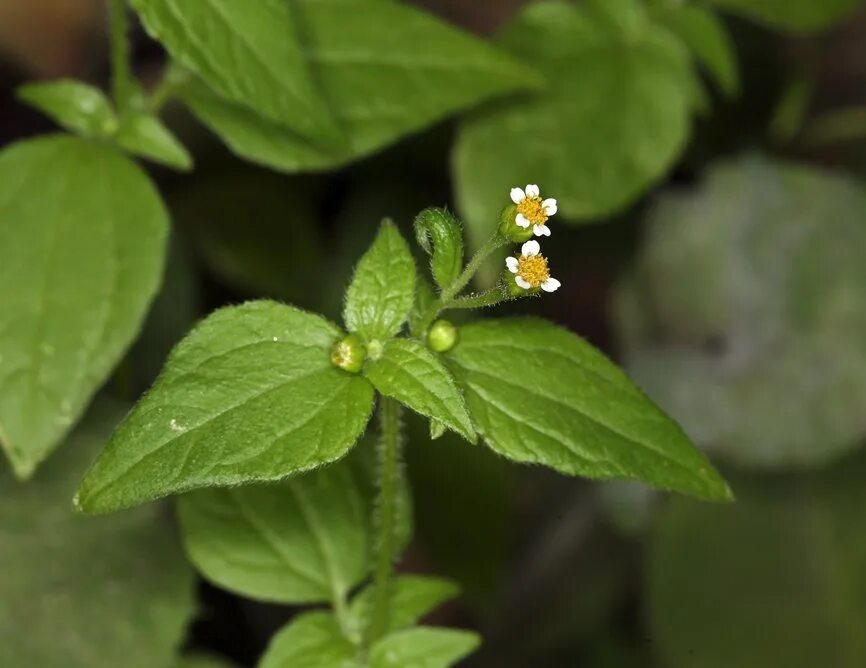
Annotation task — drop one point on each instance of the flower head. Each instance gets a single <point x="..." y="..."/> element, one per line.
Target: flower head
<point x="532" y="210"/>
<point x="530" y="269"/>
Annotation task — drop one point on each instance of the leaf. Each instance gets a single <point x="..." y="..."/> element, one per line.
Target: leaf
<point x="247" y="53"/>
<point x="410" y="373"/>
<point x="390" y="75"/>
<point x="310" y="640"/>
<point x="82" y="240"/>
<point x="423" y="647"/>
<point x="773" y="580"/>
<point x="144" y="134"/>
<point x="72" y="104"/>
<point x="304" y="540"/>
<point x="412" y="597"/>
<point x="441" y="236"/>
<point x="250" y="395"/>
<point x="539" y="394"/>
<point x="613" y="120"/>
<point x="794" y="15"/>
<point x="382" y="290"/>
<point x="748" y="298"/>
<point x="708" y="39"/>
<point x="87" y="592"/>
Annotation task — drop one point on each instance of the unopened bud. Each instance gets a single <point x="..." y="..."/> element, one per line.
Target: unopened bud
<point x="442" y="336"/>
<point x="349" y="353"/>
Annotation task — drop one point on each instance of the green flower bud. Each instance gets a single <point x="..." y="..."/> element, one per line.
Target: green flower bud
<point x="442" y="336"/>
<point x="509" y="228"/>
<point x="349" y="354"/>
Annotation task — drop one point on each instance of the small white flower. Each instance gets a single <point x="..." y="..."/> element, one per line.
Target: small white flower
<point x="530" y="269"/>
<point x="532" y="210"/>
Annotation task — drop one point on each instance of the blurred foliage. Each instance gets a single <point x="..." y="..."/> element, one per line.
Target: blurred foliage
<point x="745" y="315"/>
<point x="773" y="580"/>
<point x="78" y="592"/>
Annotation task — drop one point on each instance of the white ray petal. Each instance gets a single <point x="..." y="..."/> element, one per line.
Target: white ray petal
<point x="532" y="190"/>
<point x="522" y="282"/>
<point x="550" y="285"/>
<point x="511" y="263"/>
<point x="517" y="195"/>
<point x="531" y="247"/>
<point x="549" y="207"/>
<point x="541" y="230"/>
<point x="521" y="220"/>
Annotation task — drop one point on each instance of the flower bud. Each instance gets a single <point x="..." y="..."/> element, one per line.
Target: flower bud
<point x="349" y="353"/>
<point x="442" y="336"/>
<point x="509" y="228"/>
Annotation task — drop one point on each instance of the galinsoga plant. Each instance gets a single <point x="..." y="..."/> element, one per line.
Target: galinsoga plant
<point x="277" y="399"/>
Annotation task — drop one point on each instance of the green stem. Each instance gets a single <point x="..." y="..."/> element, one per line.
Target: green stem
<point x="172" y="79"/>
<point x="386" y="517"/>
<point x="480" y="300"/>
<point x="121" y="74"/>
<point x="448" y="294"/>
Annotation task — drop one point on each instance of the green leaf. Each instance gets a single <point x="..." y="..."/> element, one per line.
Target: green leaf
<point x="412" y="597"/>
<point x="310" y="640"/>
<point x="144" y="134"/>
<point x="794" y="15"/>
<point x="437" y="429"/>
<point x="731" y="322"/>
<point x="248" y="53"/>
<point x="382" y="290"/>
<point x="82" y="244"/>
<point x="708" y="40"/>
<point x="414" y="376"/>
<point x="423" y="647"/>
<point x="392" y="74"/>
<point x="87" y="592"/>
<point x="74" y="105"/>
<point x="249" y="395"/>
<point x="441" y="236"/>
<point x="539" y="394"/>
<point x="613" y="120"/>
<point x="775" y="579"/>
<point x="304" y="540"/>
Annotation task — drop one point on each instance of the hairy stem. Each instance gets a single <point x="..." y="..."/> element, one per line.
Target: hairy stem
<point x="386" y="517"/>
<point x="446" y="299"/>
<point x="480" y="300"/>
<point x="121" y="74"/>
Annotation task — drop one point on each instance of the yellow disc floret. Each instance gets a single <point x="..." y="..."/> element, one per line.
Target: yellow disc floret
<point x="533" y="210"/>
<point x="533" y="269"/>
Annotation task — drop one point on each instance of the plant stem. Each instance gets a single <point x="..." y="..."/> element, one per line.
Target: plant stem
<point x="121" y="75"/>
<point x="172" y="78"/>
<point x="480" y="300"/>
<point x="446" y="299"/>
<point x="386" y="517"/>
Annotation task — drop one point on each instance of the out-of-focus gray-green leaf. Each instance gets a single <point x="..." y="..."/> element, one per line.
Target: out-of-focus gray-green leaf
<point x="745" y="316"/>
<point x="83" y="592"/>
<point x="423" y="647"/>
<point x="613" y="118"/>
<point x="775" y="579"/>
<point x="82" y="244"/>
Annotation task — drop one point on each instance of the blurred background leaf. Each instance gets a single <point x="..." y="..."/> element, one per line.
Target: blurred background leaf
<point x="79" y="592"/>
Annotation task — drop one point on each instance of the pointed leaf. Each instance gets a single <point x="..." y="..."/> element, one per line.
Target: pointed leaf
<point x="420" y="69"/>
<point x="249" y="395"/>
<point x="539" y="394"/>
<point x="248" y="53"/>
<point x="310" y="640"/>
<point x="413" y="375"/>
<point x="82" y="592"/>
<point x="145" y="135"/>
<point x="74" y="105"/>
<point x="382" y="291"/>
<point x="82" y="240"/>
<point x="423" y="647"/>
